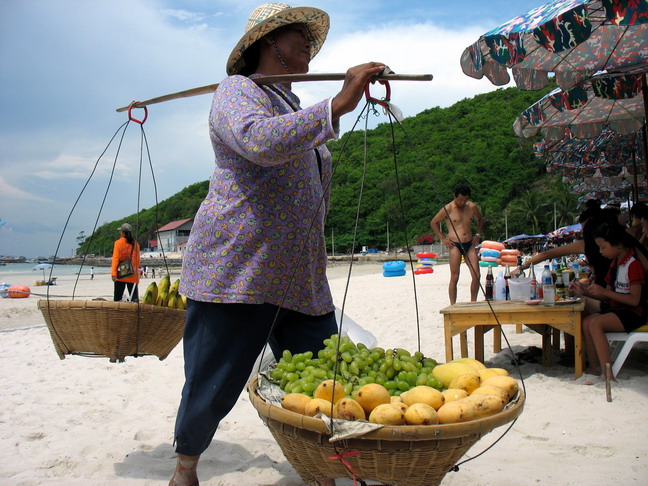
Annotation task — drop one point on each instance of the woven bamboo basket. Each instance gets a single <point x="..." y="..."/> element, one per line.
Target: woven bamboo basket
<point x="112" y="329"/>
<point x="402" y="456"/>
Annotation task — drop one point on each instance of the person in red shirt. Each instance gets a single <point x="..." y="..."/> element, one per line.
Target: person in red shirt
<point x="622" y="304"/>
<point x="124" y="248"/>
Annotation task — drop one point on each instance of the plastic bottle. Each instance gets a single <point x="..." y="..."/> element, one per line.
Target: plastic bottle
<point x="548" y="289"/>
<point x="500" y="287"/>
<point x="489" y="284"/>
<point x="507" y="276"/>
<point x="534" y="284"/>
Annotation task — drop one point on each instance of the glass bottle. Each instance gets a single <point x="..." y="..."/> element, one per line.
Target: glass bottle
<point x="489" y="284"/>
<point x="507" y="276"/>
<point x="534" y="284"/>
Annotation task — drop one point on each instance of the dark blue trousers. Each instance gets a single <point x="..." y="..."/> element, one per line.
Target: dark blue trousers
<point x="221" y="344"/>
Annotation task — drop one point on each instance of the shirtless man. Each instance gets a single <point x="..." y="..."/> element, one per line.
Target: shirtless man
<point x="460" y="239"/>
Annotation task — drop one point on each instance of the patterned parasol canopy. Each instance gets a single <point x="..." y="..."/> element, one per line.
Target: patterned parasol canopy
<point x="572" y="38"/>
<point x="615" y="101"/>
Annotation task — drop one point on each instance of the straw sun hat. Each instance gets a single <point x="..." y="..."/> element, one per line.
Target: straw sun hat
<point x="271" y="16"/>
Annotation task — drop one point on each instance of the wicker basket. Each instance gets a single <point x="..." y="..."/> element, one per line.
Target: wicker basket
<point x="403" y="456"/>
<point x="112" y="329"/>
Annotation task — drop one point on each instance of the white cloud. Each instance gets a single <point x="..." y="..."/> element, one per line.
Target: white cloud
<point x="12" y="194"/>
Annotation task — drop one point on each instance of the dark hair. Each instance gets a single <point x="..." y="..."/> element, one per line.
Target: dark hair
<point x="462" y="189"/>
<point x="614" y="233"/>
<point x="639" y="210"/>
<point x="592" y="209"/>
<point x="129" y="237"/>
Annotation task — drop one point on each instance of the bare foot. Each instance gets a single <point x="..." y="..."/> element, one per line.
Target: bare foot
<point x="185" y="473"/>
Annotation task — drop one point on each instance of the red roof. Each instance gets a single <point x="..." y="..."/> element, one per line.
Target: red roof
<point x="173" y="225"/>
<point x="152" y="243"/>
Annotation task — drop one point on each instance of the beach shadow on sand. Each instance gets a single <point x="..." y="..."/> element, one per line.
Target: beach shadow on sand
<point x="220" y="459"/>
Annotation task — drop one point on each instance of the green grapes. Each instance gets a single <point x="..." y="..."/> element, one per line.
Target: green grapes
<point x="354" y="366"/>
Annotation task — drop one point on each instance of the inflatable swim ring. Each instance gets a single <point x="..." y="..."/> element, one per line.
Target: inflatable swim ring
<point x="488" y="264"/>
<point x="394" y="273"/>
<point x="420" y="271"/>
<point x="509" y="259"/>
<point x="393" y="266"/>
<point x="18" y="291"/>
<point x="489" y="252"/>
<point x="425" y="254"/>
<point x="510" y="251"/>
<point x="427" y="262"/>
<point x="489" y="259"/>
<point x="494" y="245"/>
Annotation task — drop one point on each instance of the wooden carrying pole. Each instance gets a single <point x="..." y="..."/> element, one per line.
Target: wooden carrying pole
<point x="281" y="78"/>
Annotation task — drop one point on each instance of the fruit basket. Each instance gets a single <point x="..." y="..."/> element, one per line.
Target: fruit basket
<point x="396" y="455"/>
<point x="112" y="329"/>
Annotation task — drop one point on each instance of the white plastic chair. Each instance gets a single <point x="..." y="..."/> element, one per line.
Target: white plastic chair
<point x="620" y="352"/>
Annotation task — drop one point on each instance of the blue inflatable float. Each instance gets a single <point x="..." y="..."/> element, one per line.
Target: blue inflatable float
<point x="394" y="269"/>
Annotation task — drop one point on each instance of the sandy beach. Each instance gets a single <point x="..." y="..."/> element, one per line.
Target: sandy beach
<point x="81" y="421"/>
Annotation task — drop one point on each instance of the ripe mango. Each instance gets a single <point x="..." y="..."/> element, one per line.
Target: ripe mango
<point x="371" y="395"/>
<point x="467" y="381"/>
<point x="454" y="394"/>
<point x="387" y="414"/>
<point x="485" y="405"/>
<point x="506" y="383"/>
<point x="445" y="373"/>
<point x="348" y="409"/>
<point x="325" y="390"/>
<point x="423" y="394"/>
<point x="295" y="402"/>
<point x="490" y="390"/>
<point x="421" y="414"/>
<point x="476" y="365"/>
<point x="455" y="412"/>
<point x="318" y="405"/>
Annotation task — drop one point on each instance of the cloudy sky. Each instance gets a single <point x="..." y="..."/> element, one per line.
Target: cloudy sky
<point x="68" y="64"/>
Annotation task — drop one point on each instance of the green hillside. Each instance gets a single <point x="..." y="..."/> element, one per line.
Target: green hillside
<point x="469" y="142"/>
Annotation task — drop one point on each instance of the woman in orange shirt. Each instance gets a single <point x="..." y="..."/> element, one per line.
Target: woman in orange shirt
<point x="126" y="247"/>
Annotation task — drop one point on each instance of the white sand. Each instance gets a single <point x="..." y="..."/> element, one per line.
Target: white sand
<point x="83" y="421"/>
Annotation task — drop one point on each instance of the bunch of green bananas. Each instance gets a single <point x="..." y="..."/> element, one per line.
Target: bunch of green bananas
<point x="164" y="294"/>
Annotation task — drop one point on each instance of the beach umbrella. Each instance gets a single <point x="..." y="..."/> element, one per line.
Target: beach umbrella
<point x="572" y="38"/>
<point x="43" y="267"/>
<point x="613" y="101"/>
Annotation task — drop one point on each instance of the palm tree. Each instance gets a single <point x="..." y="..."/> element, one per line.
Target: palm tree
<point x="565" y="204"/>
<point x="530" y="208"/>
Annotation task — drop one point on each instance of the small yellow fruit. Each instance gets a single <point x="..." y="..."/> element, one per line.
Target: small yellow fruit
<point x="325" y="391"/>
<point x="477" y="365"/>
<point x="445" y="373"/>
<point x="396" y="399"/>
<point x="423" y="394"/>
<point x="318" y="405"/>
<point x="348" y="409"/>
<point x="387" y="414"/>
<point x="490" y="390"/>
<point x="506" y="383"/>
<point x="421" y="414"/>
<point x="371" y="395"/>
<point x="455" y="412"/>
<point x="295" y="402"/>
<point x="467" y="381"/>
<point x="454" y="394"/>
<point x="487" y="373"/>
<point x="400" y="405"/>
<point x="485" y="405"/>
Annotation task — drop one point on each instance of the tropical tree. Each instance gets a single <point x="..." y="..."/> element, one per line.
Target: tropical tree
<point x="529" y="208"/>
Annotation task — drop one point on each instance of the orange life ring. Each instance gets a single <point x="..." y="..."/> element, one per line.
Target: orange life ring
<point x="422" y="270"/>
<point x="494" y="245"/>
<point x="510" y="251"/>
<point x="426" y="254"/>
<point x="18" y="291"/>
<point x="508" y="259"/>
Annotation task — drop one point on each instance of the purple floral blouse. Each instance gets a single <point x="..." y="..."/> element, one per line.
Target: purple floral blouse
<point x="258" y="237"/>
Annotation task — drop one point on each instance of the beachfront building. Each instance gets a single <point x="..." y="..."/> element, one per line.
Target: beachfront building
<point x="173" y="236"/>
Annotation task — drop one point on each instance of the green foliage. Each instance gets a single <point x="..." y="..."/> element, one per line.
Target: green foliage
<point x="182" y="205"/>
<point x="470" y="142"/>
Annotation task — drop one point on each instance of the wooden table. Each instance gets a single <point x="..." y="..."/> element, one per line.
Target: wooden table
<point x="460" y="317"/>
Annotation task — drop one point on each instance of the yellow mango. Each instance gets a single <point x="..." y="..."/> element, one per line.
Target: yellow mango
<point x="445" y="373"/>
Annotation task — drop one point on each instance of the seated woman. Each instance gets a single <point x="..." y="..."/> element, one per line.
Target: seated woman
<point x="620" y="303"/>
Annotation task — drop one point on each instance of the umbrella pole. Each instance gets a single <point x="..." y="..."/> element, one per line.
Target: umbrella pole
<point x="635" y="187"/>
